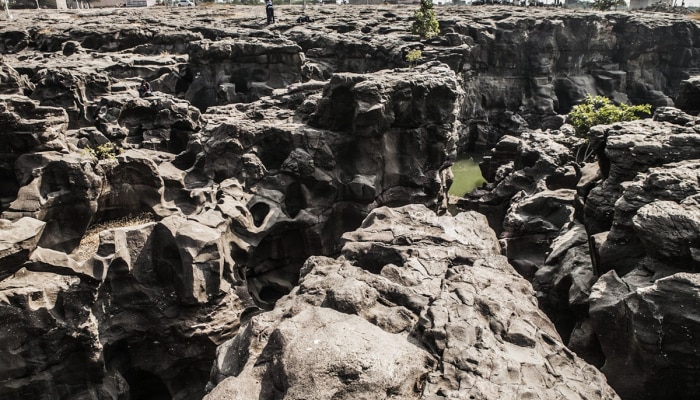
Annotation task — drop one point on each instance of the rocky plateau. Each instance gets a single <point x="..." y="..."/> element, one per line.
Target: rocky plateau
<point x="273" y="222"/>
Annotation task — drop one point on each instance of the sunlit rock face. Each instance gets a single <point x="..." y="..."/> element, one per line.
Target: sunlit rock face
<point x="417" y="306"/>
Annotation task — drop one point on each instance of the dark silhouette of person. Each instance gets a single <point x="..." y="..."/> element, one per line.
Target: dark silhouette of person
<point x="270" y="12"/>
<point x="145" y="89"/>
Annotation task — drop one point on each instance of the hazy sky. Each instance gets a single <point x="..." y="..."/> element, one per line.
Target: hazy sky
<point x="688" y="3"/>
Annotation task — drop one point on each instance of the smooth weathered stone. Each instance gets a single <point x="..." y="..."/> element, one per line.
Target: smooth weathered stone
<point x="662" y="328"/>
<point x="454" y="317"/>
<point x="18" y="240"/>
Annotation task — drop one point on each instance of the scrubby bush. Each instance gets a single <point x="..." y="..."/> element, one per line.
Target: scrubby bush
<point x="425" y="24"/>
<point x="413" y="56"/>
<point x="107" y="151"/>
<point x="599" y="110"/>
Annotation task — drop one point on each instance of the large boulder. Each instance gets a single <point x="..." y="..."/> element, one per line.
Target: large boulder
<point x="649" y="332"/>
<point x="50" y="337"/>
<point x="629" y="149"/>
<point x="18" y="240"/>
<point x="669" y="232"/>
<point x="455" y="318"/>
<point x="335" y="355"/>
<point x="638" y="221"/>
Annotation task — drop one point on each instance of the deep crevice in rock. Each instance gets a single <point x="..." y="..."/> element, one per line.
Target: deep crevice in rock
<point x="259" y="211"/>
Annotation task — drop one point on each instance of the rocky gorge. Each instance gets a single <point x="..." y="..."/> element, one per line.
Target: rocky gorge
<point x="271" y="223"/>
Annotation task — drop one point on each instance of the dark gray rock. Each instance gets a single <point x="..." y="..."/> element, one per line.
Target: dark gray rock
<point x="638" y="206"/>
<point x="307" y="128"/>
<point x="61" y="189"/>
<point x="640" y="201"/>
<point x="69" y="90"/>
<point x="247" y="69"/>
<point x="160" y="122"/>
<point x="18" y="240"/>
<point x="688" y="95"/>
<point x="563" y="284"/>
<point x="374" y="140"/>
<point x="661" y="330"/>
<point x="527" y="165"/>
<point x="28" y="125"/>
<point x="669" y="232"/>
<point x="12" y="82"/>
<point x="50" y="338"/>
<point x="447" y="316"/>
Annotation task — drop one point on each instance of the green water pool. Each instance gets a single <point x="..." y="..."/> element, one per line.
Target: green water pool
<point x="467" y="175"/>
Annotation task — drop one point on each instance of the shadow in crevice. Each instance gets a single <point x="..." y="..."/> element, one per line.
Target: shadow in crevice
<point x="143" y="385"/>
<point x="274" y="265"/>
<point x="259" y="211"/>
<point x="9" y="187"/>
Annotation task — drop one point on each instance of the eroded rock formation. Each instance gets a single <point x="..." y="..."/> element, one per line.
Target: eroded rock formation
<point x="623" y="255"/>
<point x="417" y="306"/>
<point x="263" y="145"/>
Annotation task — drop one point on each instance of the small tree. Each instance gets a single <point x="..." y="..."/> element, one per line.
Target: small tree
<point x="413" y="56"/>
<point x="425" y="23"/>
<point x="598" y="110"/>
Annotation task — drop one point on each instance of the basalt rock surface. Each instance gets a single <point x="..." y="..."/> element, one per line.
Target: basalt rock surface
<point x="372" y="140"/>
<point x="519" y="67"/>
<point x="417" y="306"/>
<point x="626" y="255"/>
<point x="261" y="146"/>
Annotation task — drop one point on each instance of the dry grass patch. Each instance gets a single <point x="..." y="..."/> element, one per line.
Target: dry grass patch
<point x="91" y="240"/>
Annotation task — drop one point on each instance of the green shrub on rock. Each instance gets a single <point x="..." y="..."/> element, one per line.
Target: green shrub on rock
<point x="599" y="110"/>
<point x="107" y="151"/>
<point x="413" y="56"/>
<point x="425" y="24"/>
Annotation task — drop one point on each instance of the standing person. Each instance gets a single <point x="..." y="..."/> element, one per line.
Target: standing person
<point x="270" y="12"/>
